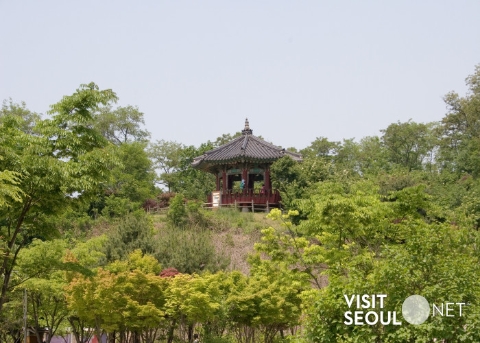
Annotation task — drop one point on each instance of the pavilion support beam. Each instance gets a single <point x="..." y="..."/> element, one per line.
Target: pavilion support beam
<point x="245" y="176"/>
<point x="224" y="179"/>
<point x="268" y="186"/>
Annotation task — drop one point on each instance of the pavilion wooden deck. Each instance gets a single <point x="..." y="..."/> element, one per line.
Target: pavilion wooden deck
<point x="248" y="200"/>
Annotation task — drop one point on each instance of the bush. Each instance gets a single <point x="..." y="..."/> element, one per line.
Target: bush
<point x="161" y="201"/>
<point x="189" y="251"/>
<point x="177" y="214"/>
<point x="131" y="232"/>
<point x="118" y="207"/>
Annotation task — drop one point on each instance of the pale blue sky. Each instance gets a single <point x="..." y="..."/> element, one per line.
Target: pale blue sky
<point x="297" y="69"/>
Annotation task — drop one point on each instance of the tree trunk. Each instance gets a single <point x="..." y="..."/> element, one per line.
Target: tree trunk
<point x="190" y="332"/>
<point x="111" y="337"/>
<point x="171" y="331"/>
<point x="8" y="260"/>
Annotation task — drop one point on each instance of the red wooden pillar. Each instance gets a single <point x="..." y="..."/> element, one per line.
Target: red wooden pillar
<point x="224" y="179"/>
<point x="245" y="177"/>
<point x="268" y="186"/>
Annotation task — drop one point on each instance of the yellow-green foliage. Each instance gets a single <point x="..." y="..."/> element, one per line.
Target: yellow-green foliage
<point x="131" y="296"/>
<point x="366" y="243"/>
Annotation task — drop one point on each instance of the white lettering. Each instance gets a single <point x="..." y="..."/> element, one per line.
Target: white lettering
<point x="395" y="322"/>
<point x="381" y="296"/>
<point x="436" y="309"/>
<point x="358" y="317"/>
<point x="348" y="317"/>
<point x="382" y="319"/>
<point x="366" y="302"/>
<point x="349" y="301"/>
<point x="448" y="309"/>
<point x="460" y="306"/>
<point x="371" y="301"/>
<point x="371" y="322"/>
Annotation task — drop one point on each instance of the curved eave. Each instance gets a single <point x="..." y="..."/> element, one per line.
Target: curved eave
<point x="211" y="166"/>
<point x="244" y="149"/>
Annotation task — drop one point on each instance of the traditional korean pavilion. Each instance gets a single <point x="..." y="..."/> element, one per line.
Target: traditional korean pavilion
<point x="246" y="158"/>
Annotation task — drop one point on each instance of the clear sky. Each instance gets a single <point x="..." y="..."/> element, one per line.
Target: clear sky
<point x="297" y="69"/>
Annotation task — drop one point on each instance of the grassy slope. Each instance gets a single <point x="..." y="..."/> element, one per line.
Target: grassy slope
<point x="234" y="233"/>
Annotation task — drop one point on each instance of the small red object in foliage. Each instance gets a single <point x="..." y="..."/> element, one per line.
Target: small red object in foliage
<point x="169" y="272"/>
<point x="161" y="201"/>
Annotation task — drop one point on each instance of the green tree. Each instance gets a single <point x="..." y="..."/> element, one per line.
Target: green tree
<point x="347" y="158"/>
<point x="225" y="138"/>
<point x="193" y="299"/>
<point x="132" y="181"/>
<point x="361" y="240"/>
<point x="460" y="130"/>
<point x="134" y="178"/>
<point x="372" y="157"/>
<point x="27" y="118"/>
<point x="64" y="163"/>
<point x="130" y="232"/>
<point x="174" y="160"/>
<point x="11" y="328"/>
<point x="321" y="147"/>
<point x="288" y="177"/>
<point x="433" y="262"/>
<point x="177" y="213"/>
<point x="47" y="305"/>
<point x="41" y="270"/>
<point x="193" y="183"/>
<point x="121" y="125"/>
<point x="91" y="253"/>
<point x="410" y="145"/>
<point x="265" y="303"/>
<point x="9" y="191"/>
<point x="84" y="297"/>
<point x="189" y="250"/>
<point x="127" y="296"/>
<point x="166" y="156"/>
<point x="279" y="289"/>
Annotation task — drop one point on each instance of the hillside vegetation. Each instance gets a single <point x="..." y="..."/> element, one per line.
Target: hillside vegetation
<point x="393" y="215"/>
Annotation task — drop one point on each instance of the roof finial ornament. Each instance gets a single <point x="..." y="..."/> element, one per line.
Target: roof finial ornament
<point x="247" y="130"/>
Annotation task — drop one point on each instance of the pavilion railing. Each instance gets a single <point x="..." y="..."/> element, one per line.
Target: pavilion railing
<point x="249" y="196"/>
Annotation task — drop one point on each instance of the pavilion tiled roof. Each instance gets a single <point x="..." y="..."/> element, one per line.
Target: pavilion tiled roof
<point x="246" y="148"/>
